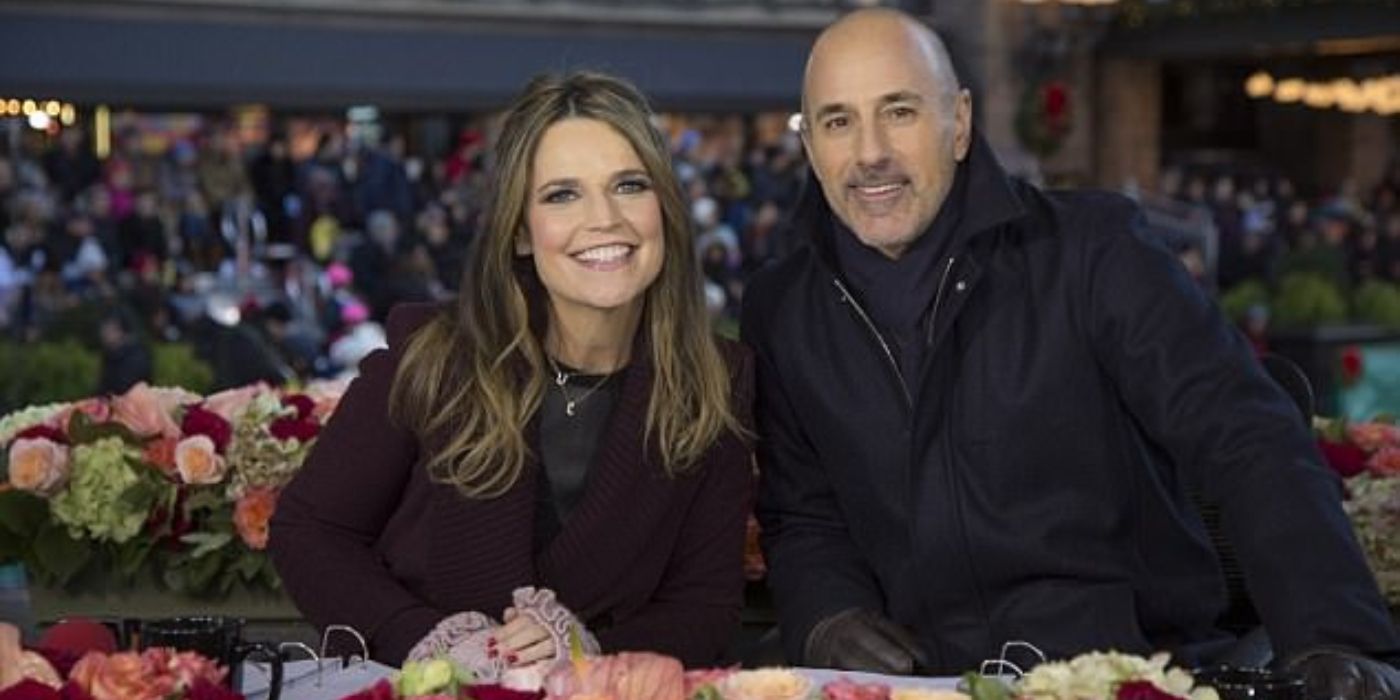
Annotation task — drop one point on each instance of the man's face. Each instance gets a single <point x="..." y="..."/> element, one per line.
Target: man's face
<point x="884" y="136"/>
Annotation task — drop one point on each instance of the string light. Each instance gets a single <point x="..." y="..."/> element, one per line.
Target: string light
<point x="1380" y="95"/>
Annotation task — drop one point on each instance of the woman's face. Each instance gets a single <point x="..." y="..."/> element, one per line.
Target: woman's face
<point x="594" y="220"/>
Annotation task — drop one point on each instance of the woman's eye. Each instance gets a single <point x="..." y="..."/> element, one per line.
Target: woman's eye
<point x="633" y="186"/>
<point x="560" y="196"/>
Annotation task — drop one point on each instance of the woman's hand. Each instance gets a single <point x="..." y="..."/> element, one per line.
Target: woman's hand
<point x="521" y="640"/>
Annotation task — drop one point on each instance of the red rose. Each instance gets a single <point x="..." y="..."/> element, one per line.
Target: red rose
<point x="1352" y="365"/>
<point x="201" y="421"/>
<point x="1143" y="690"/>
<point x="493" y="691"/>
<point x="1344" y="458"/>
<point x="47" y="432"/>
<point x="302" y="403"/>
<point x="294" y="429"/>
<point x="379" y="691"/>
<point x="29" y="689"/>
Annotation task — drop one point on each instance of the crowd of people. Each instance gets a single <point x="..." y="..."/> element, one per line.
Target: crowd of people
<point x="1267" y="229"/>
<point x="273" y="266"/>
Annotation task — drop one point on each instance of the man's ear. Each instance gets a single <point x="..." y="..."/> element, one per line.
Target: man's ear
<point x="962" y="137"/>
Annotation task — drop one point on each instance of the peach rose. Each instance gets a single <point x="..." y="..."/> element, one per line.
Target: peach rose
<point x="1386" y="462"/>
<point x="251" y="515"/>
<point x="124" y="676"/>
<point x="230" y="403"/>
<point x="197" y="462"/>
<point x="148" y="411"/>
<point x="38" y="465"/>
<point x="765" y="684"/>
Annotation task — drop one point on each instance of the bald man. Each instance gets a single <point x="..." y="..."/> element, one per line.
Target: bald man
<point x="980" y="404"/>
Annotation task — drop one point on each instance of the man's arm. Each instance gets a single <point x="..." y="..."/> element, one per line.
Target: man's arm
<point x="1192" y="383"/>
<point x="814" y="569"/>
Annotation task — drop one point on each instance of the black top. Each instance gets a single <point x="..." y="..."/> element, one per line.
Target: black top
<point x="568" y="444"/>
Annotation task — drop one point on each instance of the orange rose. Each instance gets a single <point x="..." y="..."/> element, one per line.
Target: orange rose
<point x="161" y="453"/>
<point x="251" y="515"/>
<point x="124" y="676"/>
<point x="197" y="462"/>
<point x="148" y="411"/>
<point x="38" y="465"/>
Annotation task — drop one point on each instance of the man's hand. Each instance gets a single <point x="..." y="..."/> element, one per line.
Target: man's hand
<point x="1339" y="673"/>
<point x="860" y="640"/>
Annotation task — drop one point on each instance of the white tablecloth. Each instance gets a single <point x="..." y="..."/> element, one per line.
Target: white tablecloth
<point x="300" y="680"/>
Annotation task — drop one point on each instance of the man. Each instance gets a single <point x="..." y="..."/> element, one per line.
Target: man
<point x="980" y="405"/>
<point x="126" y="360"/>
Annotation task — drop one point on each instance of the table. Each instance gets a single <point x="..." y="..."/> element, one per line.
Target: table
<point x="300" y="683"/>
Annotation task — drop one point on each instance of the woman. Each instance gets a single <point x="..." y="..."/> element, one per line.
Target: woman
<point x="570" y="423"/>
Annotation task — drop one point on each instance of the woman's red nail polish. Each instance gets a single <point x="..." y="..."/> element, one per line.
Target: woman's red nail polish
<point x="512" y="658"/>
<point x="491" y="641"/>
<point x="491" y="653"/>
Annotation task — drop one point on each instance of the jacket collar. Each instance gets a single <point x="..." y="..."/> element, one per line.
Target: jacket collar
<point x="988" y="201"/>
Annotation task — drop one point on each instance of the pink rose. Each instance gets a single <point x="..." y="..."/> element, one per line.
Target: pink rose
<point x="251" y="515"/>
<point x="1373" y="436"/>
<point x="1386" y="462"/>
<point x="38" y="465"/>
<point x="185" y="667"/>
<point x="230" y="404"/>
<point x="198" y="462"/>
<point x="147" y="412"/>
<point x="96" y="409"/>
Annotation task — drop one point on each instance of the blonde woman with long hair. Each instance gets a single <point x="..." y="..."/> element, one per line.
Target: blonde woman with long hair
<point x="569" y="427"/>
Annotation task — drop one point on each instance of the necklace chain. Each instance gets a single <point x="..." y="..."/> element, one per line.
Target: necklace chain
<point x="561" y="380"/>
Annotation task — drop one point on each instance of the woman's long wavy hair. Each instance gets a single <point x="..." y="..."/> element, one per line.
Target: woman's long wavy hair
<point x="470" y="381"/>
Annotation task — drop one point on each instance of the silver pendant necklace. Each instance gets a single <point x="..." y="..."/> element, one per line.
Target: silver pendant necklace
<point x="561" y="380"/>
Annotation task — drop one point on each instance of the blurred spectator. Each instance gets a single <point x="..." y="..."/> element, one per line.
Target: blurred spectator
<point x="125" y="358"/>
<point x="221" y="173"/>
<point x="70" y="165"/>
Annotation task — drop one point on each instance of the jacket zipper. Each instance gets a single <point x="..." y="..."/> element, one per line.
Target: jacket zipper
<point x="846" y="298"/>
<point x="938" y="301"/>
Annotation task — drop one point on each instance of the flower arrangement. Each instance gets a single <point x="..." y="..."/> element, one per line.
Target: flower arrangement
<point x="155" y="476"/>
<point x="153" y="674"/>
<point x="1367" y="457"/>
<point x="1096" y="676"/>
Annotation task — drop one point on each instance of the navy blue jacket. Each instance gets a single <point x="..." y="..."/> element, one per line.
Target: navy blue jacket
<point x="1029" y="481"/>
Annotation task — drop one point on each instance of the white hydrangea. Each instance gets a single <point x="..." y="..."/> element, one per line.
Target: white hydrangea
<point x="1097" y="675"/>
<point x="27" y="417"/>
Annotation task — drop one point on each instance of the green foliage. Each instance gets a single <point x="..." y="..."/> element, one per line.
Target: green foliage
<point x="1377" y="302"/>
<point x="1306" y="300"/>
<point x="175" y="364"/>
<point x="1242" y="297"/>
<point x="41" y="373"/>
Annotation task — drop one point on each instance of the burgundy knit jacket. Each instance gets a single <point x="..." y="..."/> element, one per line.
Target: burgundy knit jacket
<point x="363" y="537"/>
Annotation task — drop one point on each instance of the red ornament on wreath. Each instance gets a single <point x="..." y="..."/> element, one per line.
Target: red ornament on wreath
<point x="1044" y="117"/>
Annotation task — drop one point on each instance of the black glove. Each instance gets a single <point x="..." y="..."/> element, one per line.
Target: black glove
<point x="860" y="640"/>
<point x="1330" y="672"/>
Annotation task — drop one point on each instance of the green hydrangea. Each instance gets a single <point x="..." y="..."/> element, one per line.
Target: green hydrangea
<point x="106" y="498"/>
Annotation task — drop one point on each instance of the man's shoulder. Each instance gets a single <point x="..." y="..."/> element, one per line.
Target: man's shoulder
<point x="770" y="291"/>
<point x="1088" y="211"/>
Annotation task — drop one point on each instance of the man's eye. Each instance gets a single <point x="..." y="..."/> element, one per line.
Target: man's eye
<point x="835" y="123"/>
<point x="901" y="113"/>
